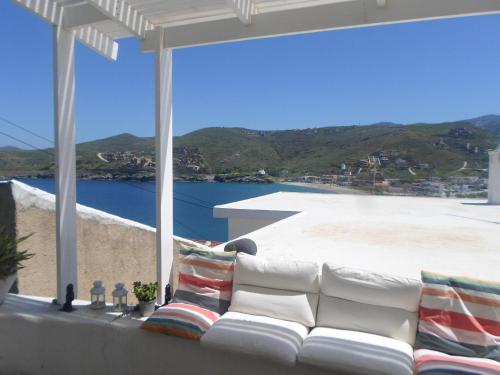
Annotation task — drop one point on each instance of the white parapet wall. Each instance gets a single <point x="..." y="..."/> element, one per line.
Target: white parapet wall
<point x="494" y="178"/>
<point x="110" y="248"/>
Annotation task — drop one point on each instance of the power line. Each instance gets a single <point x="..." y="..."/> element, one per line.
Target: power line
<point x="24" y="129"/>
<point x="25" y="143"/>
<point x="177" y="199"/>
<point x="195" y="198"/>
<point x="125" y="182"/>
<point x="188" y="228"/>
<point x="193" y="203"/>
<point x="178" y="222"/>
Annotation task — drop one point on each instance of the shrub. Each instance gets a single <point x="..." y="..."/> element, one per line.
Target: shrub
<point x="145" y="292"/>
<point x="10" y="258"/>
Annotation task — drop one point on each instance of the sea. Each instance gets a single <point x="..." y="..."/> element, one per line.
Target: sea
<point x="193" y="201"/>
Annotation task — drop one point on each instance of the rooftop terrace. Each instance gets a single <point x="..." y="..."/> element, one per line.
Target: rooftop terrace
<point x="398" y="235"/>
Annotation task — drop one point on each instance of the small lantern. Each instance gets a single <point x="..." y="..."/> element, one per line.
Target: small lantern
<point x="97" y="296"/>
<point x="120" y="298"/>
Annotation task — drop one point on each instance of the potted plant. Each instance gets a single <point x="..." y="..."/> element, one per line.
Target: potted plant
<point x="10" y="260"/>
<point x="146" y="295"/>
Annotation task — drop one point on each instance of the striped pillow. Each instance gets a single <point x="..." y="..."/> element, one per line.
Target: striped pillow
<point x="205" y="278"/>
<point x="459" y="316"/>
<point x="180" y="319"/>
<point x="428" y="362"/>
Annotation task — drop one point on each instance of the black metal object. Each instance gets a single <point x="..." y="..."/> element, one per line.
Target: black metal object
<point x="168" y="293"/>
<point x="70" y="296"/>
<point x="243" y="245"/>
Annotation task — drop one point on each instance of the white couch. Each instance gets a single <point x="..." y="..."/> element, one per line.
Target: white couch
<point x="351" y="322"/>
<point x="366" y="323"/>
<point x="272" y="309"/>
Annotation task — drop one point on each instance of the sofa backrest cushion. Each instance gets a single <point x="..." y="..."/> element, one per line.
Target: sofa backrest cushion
<point x="369" y="302"/>
<point x="276" y="288"/>
<point x="460" y="316"/>
<point x="205" y="278"/>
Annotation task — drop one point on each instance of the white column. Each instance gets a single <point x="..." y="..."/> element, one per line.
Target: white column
<point x="65" y="159"/>
<point x="164" y="166"/>
<point x="494" y="178"/>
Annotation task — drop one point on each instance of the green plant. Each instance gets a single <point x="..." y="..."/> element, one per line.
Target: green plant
<point x="145" y="292"/>
<point x="10" y="258"/>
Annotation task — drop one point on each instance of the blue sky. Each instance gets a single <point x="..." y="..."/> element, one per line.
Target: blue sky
<point x="420" y="72"/>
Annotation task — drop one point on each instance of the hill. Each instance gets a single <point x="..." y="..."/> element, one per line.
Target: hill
<point x="488" y="122"/>
<point x="444" y="147"/>
<point x="431" y="150"/>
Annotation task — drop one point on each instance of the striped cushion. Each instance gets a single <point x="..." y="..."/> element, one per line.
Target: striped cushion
<point x="459" y="316"/>
<point x="180" y="319"/>
<point x="429" y="362"/>
<point x="205" y="278"/>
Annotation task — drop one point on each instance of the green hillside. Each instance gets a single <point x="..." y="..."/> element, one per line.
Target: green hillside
<point x="323" y="150"/>
<point x="431" y="150"/>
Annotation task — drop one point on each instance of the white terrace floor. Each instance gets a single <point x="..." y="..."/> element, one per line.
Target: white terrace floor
<point x="397" y="235"/>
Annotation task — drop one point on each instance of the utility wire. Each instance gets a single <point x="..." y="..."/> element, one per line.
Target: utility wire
<point x="24" y="129"/>
<point x="193" y="203"/>
<point x="188" y="228"/>
<point x="177" y="199"/>
<point x="25" y="143"/>
<point x="178" y="222"/>
<point x="195" y="198"/>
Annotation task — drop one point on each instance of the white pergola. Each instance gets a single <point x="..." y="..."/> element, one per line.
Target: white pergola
<point x="163" y="25"/>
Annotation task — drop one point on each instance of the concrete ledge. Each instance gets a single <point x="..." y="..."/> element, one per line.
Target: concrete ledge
<point x="110" y="248"/>
<point x="37" y="340"/>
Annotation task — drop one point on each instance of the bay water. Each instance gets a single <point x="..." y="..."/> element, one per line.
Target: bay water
<point x="193" y="201"/>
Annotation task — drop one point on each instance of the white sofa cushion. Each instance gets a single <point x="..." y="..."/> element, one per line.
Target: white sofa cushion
<point x="369" y="302"/>
<point x="385" y="321"/>
<point x="278" y="289"/>
<point x="297" y="307"/>
<point x="370" y="287"/>
<point x="283" y="274"/>
<point x="274" y="339"/>
<point x="356" y="352"/>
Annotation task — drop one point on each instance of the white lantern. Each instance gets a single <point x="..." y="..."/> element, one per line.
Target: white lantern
<point x="120" y="298"/>
<point x="97" y="296"/>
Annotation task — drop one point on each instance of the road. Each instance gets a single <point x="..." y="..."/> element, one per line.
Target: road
<point x="101" y="157"/>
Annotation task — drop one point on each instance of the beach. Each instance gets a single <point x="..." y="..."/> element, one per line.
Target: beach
<point x="327" y="187"/>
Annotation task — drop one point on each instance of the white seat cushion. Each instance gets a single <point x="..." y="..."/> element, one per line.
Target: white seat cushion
<point x="274" y="339"/>
<point x="356" y="352"/>
<point x="277" y="288"/>
<point x="370" y="302"/>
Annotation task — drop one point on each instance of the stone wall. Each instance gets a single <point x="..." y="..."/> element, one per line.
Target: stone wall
<point x="110" y="248"/>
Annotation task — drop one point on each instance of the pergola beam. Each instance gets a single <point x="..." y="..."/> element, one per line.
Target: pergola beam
<point x="328" y="16"/>
<point x="98" y="41"/>
<point x="81" y="15"/>
<point x="54" y="13"/>
<point x="123" y="13"/>
<point x="243" y="9"/>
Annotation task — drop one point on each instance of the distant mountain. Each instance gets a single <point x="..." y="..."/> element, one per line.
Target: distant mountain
<point x="488" y="122"/>
<point x="117" y="143"/>
<point x="432" y="149"/>
<point x="444" y="147"/>
<point x="9" y="148"/>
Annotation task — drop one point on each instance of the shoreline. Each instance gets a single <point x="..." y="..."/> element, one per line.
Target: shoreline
<point x="327" y="187"/>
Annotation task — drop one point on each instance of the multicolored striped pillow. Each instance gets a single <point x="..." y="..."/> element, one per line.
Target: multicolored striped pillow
<point x="180" y="319"/>
<point x="429" y="362"/>
<point x="205" y="278"/>
<point x="459" y="316"/>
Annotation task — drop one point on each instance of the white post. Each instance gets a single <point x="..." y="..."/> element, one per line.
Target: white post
<point x="164" y="165"/>
<point x="65" y="159"/>
<point x="494" y="178"/>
